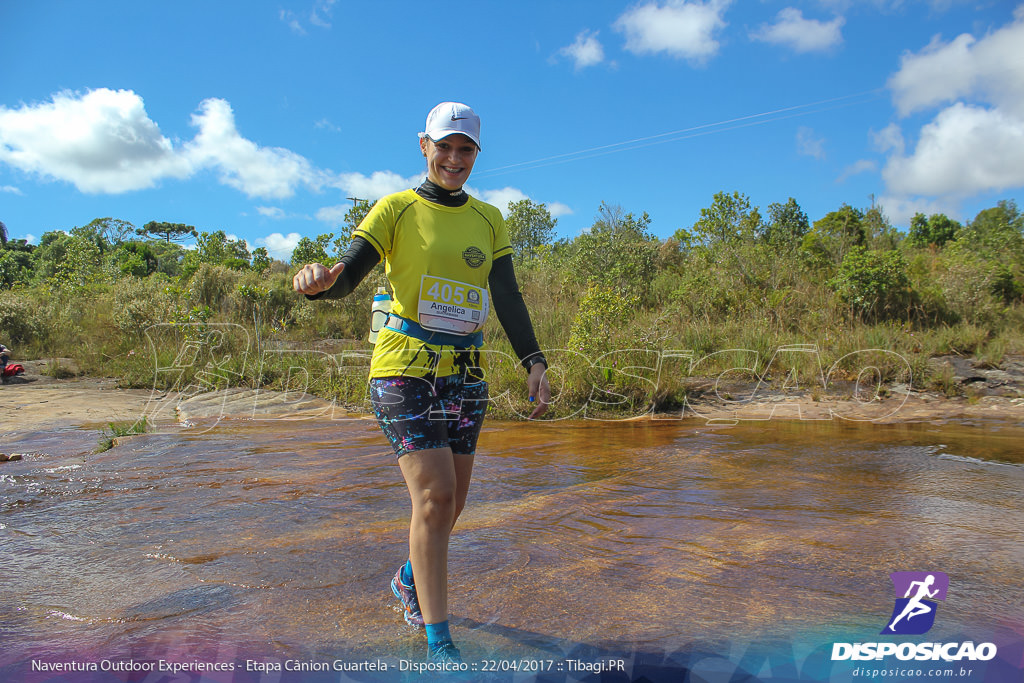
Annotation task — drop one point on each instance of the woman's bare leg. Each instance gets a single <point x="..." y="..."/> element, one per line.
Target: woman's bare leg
<point x="430" y="476"/>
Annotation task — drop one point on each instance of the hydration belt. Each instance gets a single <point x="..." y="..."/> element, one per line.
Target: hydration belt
<point x="413" y="329"/>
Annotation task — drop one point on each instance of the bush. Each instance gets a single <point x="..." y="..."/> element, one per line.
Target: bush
<point x="210" y="285"/>
<point x="266" y="300"/>
<point x="873" y="283"/>
<point x="1004" y="285"/>
<point x="602" y="312"/>
<point x="707" y="293"/>
<point x="138" y="304"/>
<point x="15" y="267"/>
<point x="967" y="286"/>
<point x="19" y="320"/>
<point x="618" y="252"/>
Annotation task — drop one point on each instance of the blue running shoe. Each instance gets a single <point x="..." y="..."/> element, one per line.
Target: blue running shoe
<point x="445" y="653"/>
<point x="407" y="594"/>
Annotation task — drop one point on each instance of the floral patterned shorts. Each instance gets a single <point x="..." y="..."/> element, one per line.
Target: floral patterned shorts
<point x="417" y="413"/>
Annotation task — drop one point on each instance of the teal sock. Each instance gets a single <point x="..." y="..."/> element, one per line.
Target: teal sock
<point x="437" y="634"/>
<point x="406" y="575"/>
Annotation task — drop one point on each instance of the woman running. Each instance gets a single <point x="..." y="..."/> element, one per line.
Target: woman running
<point x="442" y="250"/>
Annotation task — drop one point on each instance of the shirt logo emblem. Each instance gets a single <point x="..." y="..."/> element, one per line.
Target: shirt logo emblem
<point x="473" y="257"/>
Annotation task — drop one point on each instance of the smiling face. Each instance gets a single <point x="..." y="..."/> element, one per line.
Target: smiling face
<point x="449" y="160"/>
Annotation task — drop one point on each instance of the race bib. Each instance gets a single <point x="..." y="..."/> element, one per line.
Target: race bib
<point x="451" y="306"/>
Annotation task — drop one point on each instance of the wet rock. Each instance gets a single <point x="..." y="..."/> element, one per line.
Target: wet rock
<point x="963" y="369"/>
<point x="253" y="404"/>
<point x="998" y="378"/>
<point x="1013" y="365"/>
<point x="10" y="457"/>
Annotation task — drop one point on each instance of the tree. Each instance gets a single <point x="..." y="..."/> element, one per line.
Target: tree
<point x="260" y="259"/>
<point x="787" y="224"/>
<point x="618" y="251"/>
<point x="833" y="236"/>
<point x="311" y="250"/>
<point x="996" y="232"/>
<point x="879" y="232"/>
<point x="113" y="230"/>
<point x="937" y="230"/>
<point x="729" y="219"/>
<point x="65" y="260"/>
<point x="52" y="250"/>
<point x="730" y="233"/>
<point x="93" y="234"/>
<point x="15" y="267"/>
<point x="3" y="234"/>
<point x="135" y="258"/>
<point x="529" y="226"/>
<point x="353" y="217"/>
<point x="168" y="231"/>
<point x="169" y="256"/>
<point x="873" y="283"/>
<point x="216" y="249"/>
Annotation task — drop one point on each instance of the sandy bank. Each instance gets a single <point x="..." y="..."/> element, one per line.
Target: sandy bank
<point x="94" y="403"/>
<point x="37" y="402"/>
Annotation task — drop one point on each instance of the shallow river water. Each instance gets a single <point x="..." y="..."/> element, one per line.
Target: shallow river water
<point x="276" y="540"/>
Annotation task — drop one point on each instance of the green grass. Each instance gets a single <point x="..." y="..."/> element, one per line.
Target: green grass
<point x="58" y="370"/>
<point x="119" y="429"/>
<point x="108" y="330"/>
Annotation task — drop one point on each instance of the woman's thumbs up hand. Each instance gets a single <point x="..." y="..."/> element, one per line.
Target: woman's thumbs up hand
<point x="314" y="278"/>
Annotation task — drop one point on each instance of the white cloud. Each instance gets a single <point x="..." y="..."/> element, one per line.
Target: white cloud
<point x="279" y="246"/>
<point x="101" y="142"/>
<point x="802" y="35"/>
<point x="288" y="17"/>
<point x="856" y="168"/>
<point x="272" y="212"/>
<point x="586" y="51"/>
<point x="257" y="171"/>
<point x="889" y="139"/>
<point x="30" y="238"/>
<point x="685" y="30"/>
<point x="966" y="150"/>
<point x="321" y="13"/>
<point x="10" y="189"/>
<point x="104" y="142"/>
<point x="499" y="198"/>
<point x="333" y="215"/>
<point x="327" y="125"/>
<point x="973" y="145"/>
<point x="809" y="144"/>
<point x="900" y="210"/>
<point x="374" y="186"/>
<point x="558" y="209"/>
<point x="990" y="69"/>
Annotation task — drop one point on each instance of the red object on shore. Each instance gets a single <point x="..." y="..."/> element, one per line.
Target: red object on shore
<point x="12" y="369"/>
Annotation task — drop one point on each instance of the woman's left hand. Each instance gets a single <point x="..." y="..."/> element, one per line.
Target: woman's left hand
<point x="537" y="383"/>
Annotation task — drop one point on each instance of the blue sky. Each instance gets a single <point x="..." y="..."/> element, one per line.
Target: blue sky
<point x="262" y="118"/>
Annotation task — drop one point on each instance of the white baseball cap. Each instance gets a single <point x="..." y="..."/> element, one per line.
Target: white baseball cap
<point x="452" y="117"/>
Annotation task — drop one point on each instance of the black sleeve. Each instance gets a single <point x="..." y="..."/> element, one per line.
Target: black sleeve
<point x="359" y="260"/>
<point x="511" y="311"/>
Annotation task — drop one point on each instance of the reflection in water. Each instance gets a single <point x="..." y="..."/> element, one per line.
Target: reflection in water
<point x="279" y="538"/>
